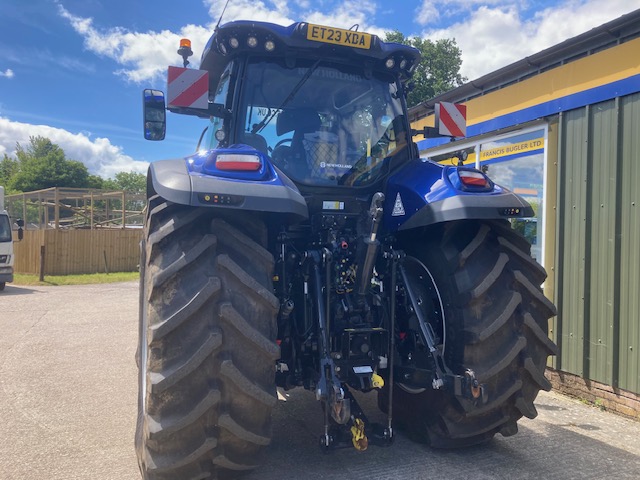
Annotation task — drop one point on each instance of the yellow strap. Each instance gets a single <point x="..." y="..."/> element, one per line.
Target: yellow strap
<point x="377" y="381"/>
<point x="359" y="439"/>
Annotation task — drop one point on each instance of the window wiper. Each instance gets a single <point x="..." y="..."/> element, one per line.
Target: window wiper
<point x="260" y="126"/>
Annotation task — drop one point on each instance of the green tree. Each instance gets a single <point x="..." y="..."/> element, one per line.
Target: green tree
<point x="43" y="164"/>
<point x="131" y="182"/>
<point x="438" y="70"/>
<point x="8" y="168"/>
<point x="95" y="181"/>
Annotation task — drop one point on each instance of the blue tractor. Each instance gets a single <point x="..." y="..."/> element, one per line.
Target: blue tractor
<point x="306" y="244"/>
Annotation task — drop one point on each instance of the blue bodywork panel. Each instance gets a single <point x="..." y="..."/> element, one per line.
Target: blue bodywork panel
<point x="419" y="194"/>
<point x="196" y="181"/>
<point x="424" y="192"/>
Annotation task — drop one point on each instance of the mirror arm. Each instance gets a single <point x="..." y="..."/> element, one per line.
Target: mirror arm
<point x="218" y="110"/>
<point x="427" y="132"/>
<point x="214" y="110"/>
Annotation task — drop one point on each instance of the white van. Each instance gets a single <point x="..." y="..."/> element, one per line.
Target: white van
<point x="6" y="244"/>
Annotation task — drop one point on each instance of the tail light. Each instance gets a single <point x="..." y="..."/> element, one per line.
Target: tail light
<point x="244" y="162"/>
<point x="474" y="179"/>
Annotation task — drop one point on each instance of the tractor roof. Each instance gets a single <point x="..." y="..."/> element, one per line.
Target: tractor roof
<point x="305" y="40"/>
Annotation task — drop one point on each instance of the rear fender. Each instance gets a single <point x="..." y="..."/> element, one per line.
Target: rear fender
<point x="193" y="181"/>
<point x="425" y="192"/>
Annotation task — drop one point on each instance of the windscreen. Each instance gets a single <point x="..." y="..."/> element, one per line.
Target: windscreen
<point x="321" y="123"/>
<point x="5" y="229"/>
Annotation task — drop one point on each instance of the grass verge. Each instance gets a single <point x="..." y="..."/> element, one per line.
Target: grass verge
<point x="33" y="280"/>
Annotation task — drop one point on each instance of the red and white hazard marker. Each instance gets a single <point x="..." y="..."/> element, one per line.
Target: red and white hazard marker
<point x="187" y="87"/>
<point x="451" y="119"/>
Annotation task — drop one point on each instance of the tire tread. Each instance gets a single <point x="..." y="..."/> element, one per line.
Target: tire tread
<point x="496" y="317"/>
<point x="208" y="290"/>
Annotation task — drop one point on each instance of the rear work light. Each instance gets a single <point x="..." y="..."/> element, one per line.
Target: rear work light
<point x="472" y="178"/>
<point x="238" y="162"/>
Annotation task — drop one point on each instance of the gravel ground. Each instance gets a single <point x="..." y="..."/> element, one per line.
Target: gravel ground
<point x="68" y="408"/>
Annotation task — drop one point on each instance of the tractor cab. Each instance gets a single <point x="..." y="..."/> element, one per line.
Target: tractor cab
<point x="321" y="123"/>
<point x="325" y="106"/>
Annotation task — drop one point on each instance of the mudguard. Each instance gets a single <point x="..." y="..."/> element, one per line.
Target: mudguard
<point x="195" y="181"/>
<point x="424" y="192"/>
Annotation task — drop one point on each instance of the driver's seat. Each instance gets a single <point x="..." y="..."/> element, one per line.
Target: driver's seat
<point x="299" y="121"/>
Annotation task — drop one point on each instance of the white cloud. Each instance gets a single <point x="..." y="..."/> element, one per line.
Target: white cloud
<point x="427" y="12"/>
<point x="434" y="11"/>
<point x="347" y="14"/>
<point x="8" y="73"/>
<point x="277" y="12"/>
<point x="492" y="37"/>
<point x="490" y="33"/>
<point x="302" y="3"/>
<point x="143" y="56"/>
<point x="35" y="59"/>
<point x="99" y="155"/>
<point x="344" y="14"/>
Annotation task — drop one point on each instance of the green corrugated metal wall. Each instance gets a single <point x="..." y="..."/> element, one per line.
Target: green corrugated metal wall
<point x="598" y="235"/>
<point x="629" y="310"/>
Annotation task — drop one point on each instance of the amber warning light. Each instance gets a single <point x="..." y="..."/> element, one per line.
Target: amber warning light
<point x="185" y="50"/>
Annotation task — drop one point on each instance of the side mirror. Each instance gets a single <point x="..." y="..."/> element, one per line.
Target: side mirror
<point x="154" y="114"/>
<point x="20" y="224"/>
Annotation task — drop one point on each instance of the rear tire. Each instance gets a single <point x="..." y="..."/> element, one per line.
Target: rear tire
<point x="496" y="320"/>
<point x="207" y="344"/>
<point x="2" y="285"/>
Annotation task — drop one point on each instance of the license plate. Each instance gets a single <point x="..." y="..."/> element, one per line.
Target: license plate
<point x="338" y="36"/>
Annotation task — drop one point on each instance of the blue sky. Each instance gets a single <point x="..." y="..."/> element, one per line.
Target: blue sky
<point x="73" y="70"/>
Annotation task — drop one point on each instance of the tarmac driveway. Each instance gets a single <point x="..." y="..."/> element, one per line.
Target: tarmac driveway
<point x="68" y="408"/>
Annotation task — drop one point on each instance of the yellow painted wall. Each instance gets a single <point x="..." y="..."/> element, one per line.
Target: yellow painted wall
<point x="607" y="66"/>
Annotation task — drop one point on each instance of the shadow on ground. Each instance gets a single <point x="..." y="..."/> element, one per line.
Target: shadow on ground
<point x="10" y="290"/>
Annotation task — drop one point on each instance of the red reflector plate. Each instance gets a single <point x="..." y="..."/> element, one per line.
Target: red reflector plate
<point x="238" y="162"/>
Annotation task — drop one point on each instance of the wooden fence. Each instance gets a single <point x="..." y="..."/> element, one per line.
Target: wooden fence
<point x="65" y="252"/>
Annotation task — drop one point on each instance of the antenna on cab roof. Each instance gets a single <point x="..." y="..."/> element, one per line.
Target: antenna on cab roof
<point x="223" y="10"/>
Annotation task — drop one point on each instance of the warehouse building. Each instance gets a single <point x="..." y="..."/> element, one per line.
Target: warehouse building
<point x="562" y="129"/>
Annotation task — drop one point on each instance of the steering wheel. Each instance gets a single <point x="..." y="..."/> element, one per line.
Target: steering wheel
<point x="280" y="152"/>
<point x="284" y="140"/>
